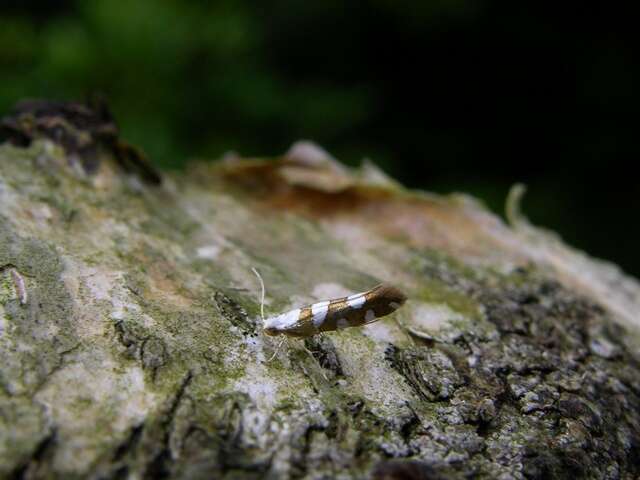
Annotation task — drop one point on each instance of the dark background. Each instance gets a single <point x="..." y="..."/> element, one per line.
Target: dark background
<point x="445" y="95"/>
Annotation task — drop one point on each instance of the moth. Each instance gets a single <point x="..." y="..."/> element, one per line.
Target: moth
<point x="18" y="282"/>
<point x="329" y="315"/>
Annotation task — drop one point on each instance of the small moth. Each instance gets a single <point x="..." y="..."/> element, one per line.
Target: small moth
<point x="21" y="289"/>
<point x="18" y="282"/>
<point x="329" y="315"/>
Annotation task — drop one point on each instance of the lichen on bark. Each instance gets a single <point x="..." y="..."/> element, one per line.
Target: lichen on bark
<point x="139" y="352"/>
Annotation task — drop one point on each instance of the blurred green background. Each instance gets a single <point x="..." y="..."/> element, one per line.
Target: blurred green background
<point x="448" y="95"/>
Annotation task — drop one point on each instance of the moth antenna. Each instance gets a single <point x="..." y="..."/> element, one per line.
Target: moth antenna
<point x="262" y="296"/>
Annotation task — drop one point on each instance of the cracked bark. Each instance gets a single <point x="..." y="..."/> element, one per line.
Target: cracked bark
<point x="138" y="351"/>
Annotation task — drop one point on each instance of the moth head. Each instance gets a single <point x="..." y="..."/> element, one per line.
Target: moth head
<point x="282" y="323"/>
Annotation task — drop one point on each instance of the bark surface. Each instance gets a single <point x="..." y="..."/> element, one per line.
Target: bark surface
<point x="131" y="343"/>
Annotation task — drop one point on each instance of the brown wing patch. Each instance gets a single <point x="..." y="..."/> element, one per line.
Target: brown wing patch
<point x="379" y="301"/>
<point x="338" y="309"/>
<point x="384" y="299"/>
<point x="304" y="326"/>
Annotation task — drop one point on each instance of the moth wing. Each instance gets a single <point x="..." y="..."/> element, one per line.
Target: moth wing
<point x="386" y="300"/>
<point x="352" y="317"/>
<point x="371" y="320"/>
<point x="338" y="316"/>
<point x="340" y="312"/>
<point x="303" y="327"/>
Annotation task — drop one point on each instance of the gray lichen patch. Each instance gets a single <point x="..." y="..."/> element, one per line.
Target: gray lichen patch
<point x="542" y="351"/>
<point x="18" y="445"/>
<point x="430" y="372"/>
<point x="37" y="331"/>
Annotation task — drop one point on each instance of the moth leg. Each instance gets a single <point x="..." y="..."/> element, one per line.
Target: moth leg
<point x="304" y="347"/>
<point x="277" y="349"/>
<point x="403" y="329"/>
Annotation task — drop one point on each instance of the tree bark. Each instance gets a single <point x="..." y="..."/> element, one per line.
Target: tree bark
<point x="131" y="342"/>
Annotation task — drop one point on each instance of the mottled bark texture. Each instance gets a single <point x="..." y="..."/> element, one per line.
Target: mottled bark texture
<point x="134" y="350"/>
